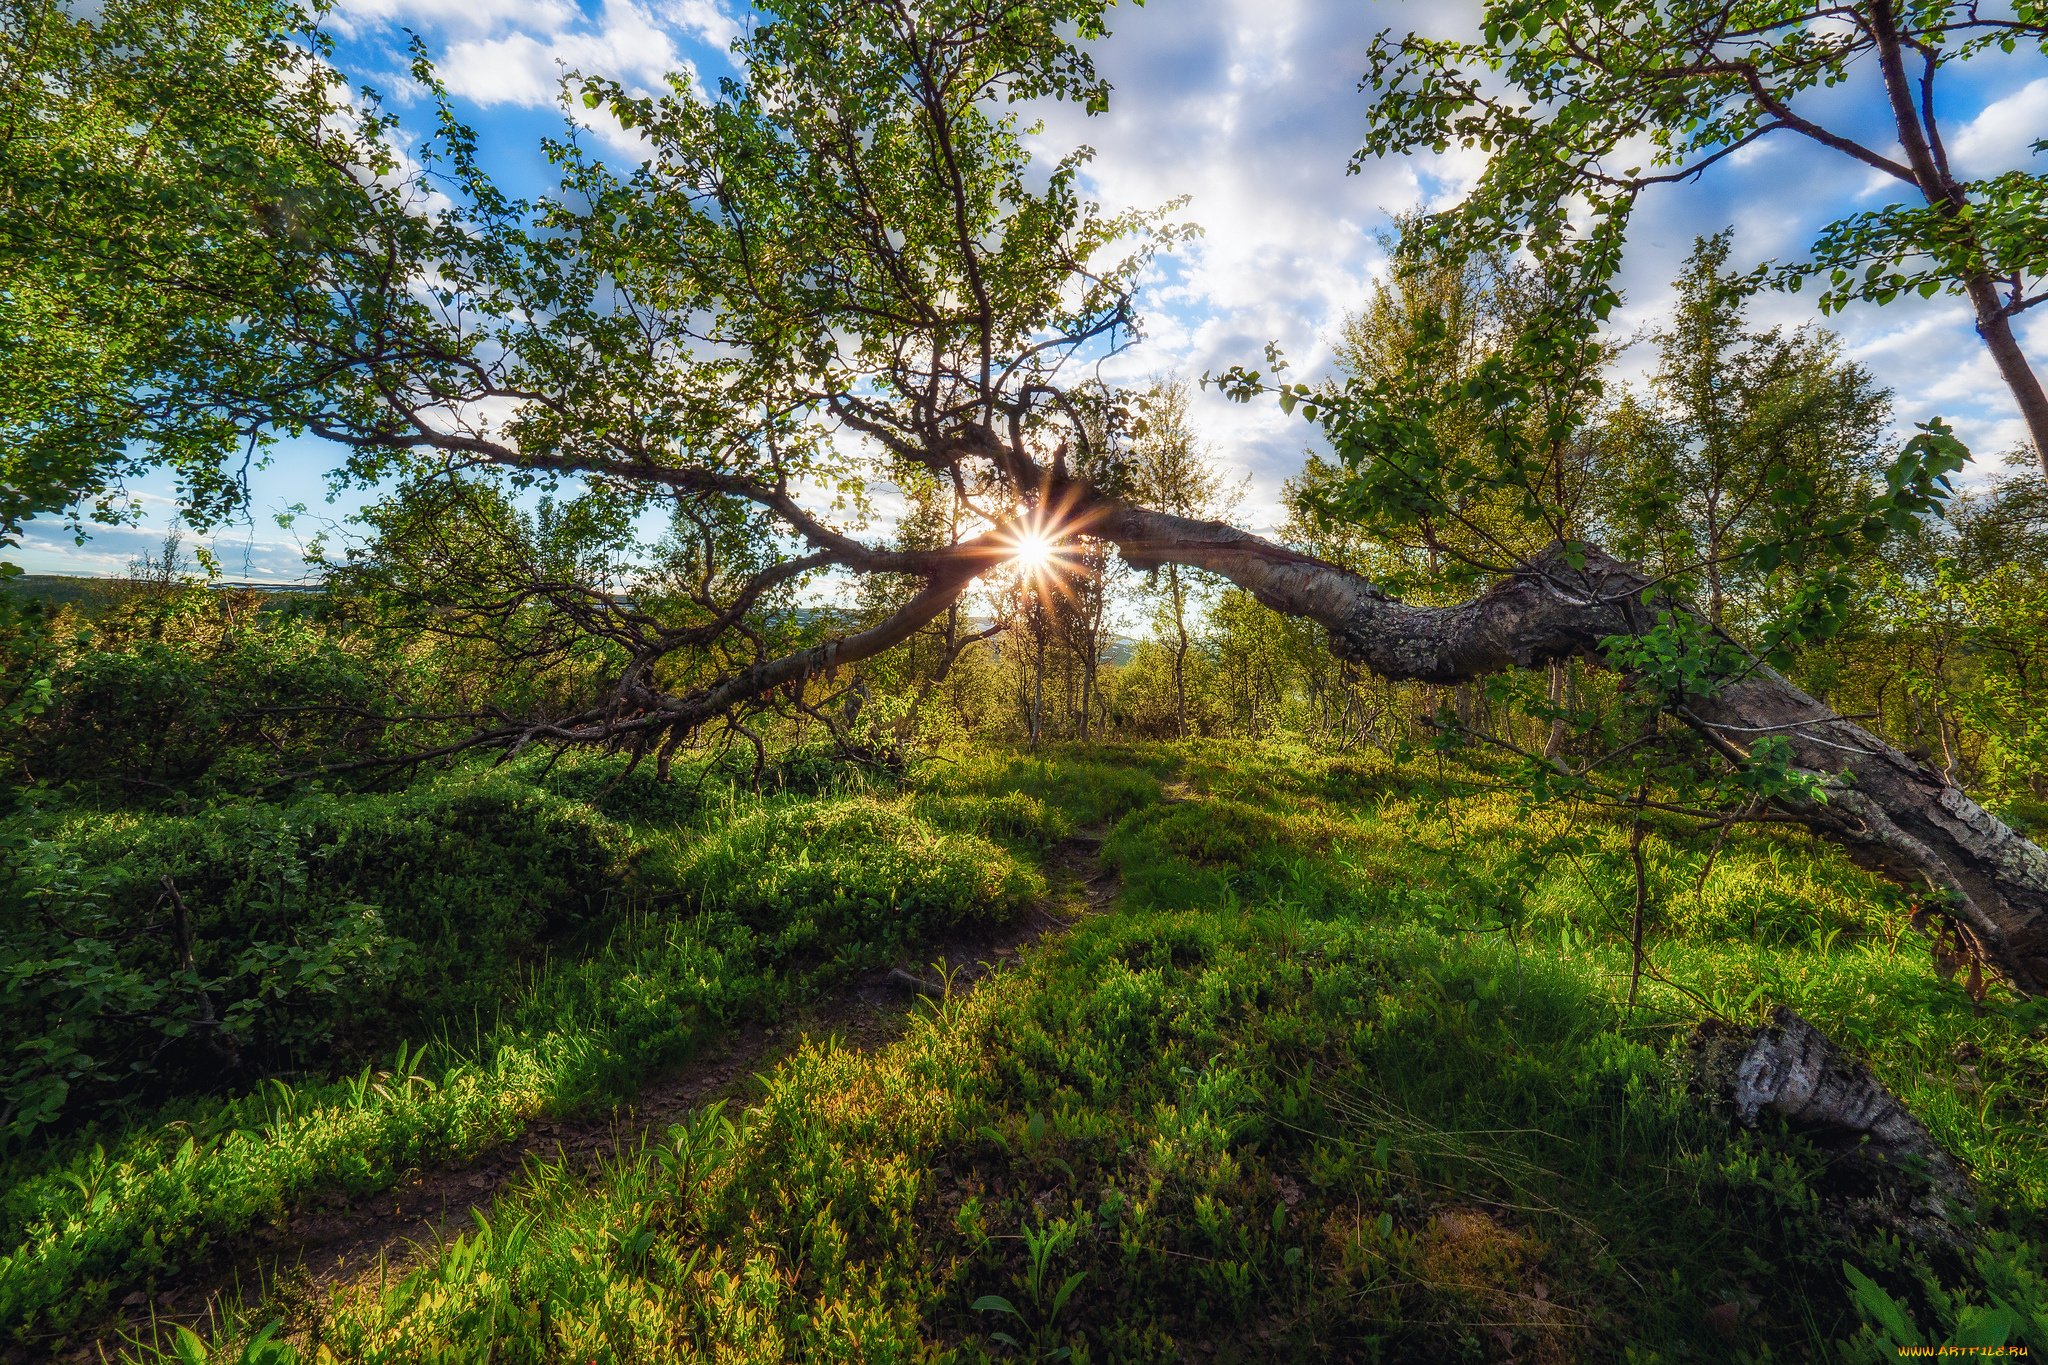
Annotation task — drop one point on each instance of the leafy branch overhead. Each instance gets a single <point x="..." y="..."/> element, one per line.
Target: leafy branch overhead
<point x="1581" y="107"/>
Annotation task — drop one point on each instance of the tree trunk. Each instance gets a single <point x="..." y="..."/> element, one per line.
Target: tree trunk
<point x="1180" y="655"/>
<point x="1038" y="691"/>
<point x="1087" y="685"/>
<point x="1892" y="814"/>
<point x="1995" y="326"/>
<point x="1906" y="1179"/>
<point x="1931" y="173"/>
<point x="1554" y="746"/>
<point x="955" y="645"/>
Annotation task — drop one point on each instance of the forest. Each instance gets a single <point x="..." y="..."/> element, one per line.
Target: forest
<point x="798" y="823"/>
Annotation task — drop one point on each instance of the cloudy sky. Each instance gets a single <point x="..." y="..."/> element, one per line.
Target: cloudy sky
<point x="1252" y="108"/>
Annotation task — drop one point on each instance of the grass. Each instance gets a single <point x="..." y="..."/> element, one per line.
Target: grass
<point x="1348" y="1076"/>
<point x="728" y="920"/>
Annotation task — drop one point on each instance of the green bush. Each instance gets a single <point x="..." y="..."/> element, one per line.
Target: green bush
<point x="616" y="787"/>
<point x="1011" y="816"/>
<point x="1214" y="832"/>
<point x="1088" y="792"/>
<point x="638" y="795"/>
<point x="216" y="706"/>
<point x="2025" y="814"/>
<point x="146" y="955"/>
<point x="820" y="877"/>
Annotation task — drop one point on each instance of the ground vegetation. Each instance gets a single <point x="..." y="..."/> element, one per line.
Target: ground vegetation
<point x="1574" y="893"/>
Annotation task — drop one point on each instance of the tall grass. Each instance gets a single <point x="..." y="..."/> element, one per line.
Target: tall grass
<point x="1283" y="1137"/>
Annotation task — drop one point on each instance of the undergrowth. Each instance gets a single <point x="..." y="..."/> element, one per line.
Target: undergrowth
<point x="1350" y="1075"/>
<point x="765" y="902"/>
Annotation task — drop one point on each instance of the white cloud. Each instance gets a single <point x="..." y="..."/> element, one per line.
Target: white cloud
<point x="1251" y="108"/>
<point x="2002" y="137"/>
<point x="456" y="17"/>
<point x="708" y="20"/>
<point x="629" y="45"/>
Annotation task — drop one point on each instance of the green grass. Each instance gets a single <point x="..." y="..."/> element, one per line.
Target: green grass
<point x="1089" y="784"/>
<point x="850" y="877"/>
<point x="767" y="904"/>
<point x="1346" y="1077"/>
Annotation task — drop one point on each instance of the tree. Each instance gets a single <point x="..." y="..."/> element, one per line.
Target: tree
<point x="844" y="263"/>
<point x="1562" y="94"/>
<point x="1687" y="478"/>
<point x="1172" y="471"/>
<point x="159" y="163"/>
<point x="1450" y="312"/>
<point x="1970" y="639"/>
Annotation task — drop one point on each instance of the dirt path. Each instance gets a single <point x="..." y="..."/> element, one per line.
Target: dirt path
<point x="392" y="1233"/>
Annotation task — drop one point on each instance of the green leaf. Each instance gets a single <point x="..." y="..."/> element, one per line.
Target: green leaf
<point x="1059" y="1300"/>
<point x="1881" y="1308"/>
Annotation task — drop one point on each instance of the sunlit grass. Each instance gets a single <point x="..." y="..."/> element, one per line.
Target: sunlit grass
<point x="1343" y="1080"/>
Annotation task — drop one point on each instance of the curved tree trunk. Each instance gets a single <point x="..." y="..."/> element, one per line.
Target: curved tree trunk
<point x="1892" y="814"/>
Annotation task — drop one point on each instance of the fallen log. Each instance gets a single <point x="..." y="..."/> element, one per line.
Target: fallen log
<point x="1887" y="1169"/>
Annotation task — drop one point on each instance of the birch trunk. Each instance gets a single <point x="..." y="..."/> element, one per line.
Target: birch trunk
<point x="1891" y="813"/>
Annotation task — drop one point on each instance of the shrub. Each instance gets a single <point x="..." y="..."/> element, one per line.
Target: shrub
<point x="1088" y="792"/>
<point x="821" y="876"/>
<point x="638" y="795"/>
<point x="207" y="696"/>
<point x="149" y="954"/>
<point x="624" y="791"/>
<point x="2025" y="814"/>
<point x="1012" y="816"/>
<point x="1211" y="832"/>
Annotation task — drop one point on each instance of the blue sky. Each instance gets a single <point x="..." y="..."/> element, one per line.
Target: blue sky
<point x="1252" y="108"/>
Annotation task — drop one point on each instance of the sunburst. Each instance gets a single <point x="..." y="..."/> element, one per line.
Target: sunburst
<point x="1034" y="553"/>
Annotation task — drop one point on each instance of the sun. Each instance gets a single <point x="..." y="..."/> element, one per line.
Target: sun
<point x="1034" y="552"/>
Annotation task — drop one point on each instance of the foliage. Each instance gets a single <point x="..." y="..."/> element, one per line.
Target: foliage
<point x="826" y="877"/>
<point x="151" y="717"/>
<point x="155" y="954"/>
<point x="1325" y="1112"/>
<point x="1560" y="95"/>
<point x="173" y="172"/>
<point x="2009" y="1310"/>
<point x="164" y="1197"/>
<point x="847" y="234"/>
<point x="89" y="1216"/>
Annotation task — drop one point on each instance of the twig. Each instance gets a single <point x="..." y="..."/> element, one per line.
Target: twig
<point x="1635" y="853"/>
<point x="218" y="1038"/>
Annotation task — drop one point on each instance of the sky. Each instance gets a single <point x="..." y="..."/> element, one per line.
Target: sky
<point x="1251" y="108"/>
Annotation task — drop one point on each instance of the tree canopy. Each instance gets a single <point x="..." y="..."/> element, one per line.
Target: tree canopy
<point x="1581" y="107"/>
<point x="840" y="272"/>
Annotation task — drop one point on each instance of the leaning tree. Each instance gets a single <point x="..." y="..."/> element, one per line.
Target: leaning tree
<point x="843" y="267"/>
